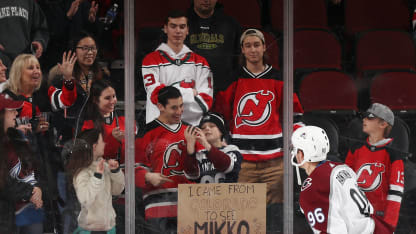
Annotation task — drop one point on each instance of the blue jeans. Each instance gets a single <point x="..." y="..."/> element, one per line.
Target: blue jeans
<point x="34" y="228"/>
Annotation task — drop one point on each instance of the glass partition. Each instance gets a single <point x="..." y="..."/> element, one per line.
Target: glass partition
<point x="266" y="67"/>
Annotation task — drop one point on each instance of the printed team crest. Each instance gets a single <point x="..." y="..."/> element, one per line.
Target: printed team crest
<point x="254" y="108"/>
<point x="171" y="160"/>
<point x="370" y="176"/>
<point x="306" y="184"/>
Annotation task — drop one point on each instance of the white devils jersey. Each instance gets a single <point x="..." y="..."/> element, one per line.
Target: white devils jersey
<point x="185" y="71"/>
<point x="332" y="202"/>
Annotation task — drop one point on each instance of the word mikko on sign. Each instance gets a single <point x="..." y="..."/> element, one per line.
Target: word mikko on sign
<point x="222" y="208"/>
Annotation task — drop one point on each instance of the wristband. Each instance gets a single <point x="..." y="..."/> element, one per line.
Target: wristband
<point x="115" y="170"/>
<point x="69" y="84"/>
<point x="98" y="175"/>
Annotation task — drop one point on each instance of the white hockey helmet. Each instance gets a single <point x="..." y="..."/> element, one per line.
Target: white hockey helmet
<point x="314" y="143"/>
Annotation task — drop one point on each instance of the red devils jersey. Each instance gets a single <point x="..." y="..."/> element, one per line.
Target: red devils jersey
<point x="252" y="105"/>
<point x="113" y="148"/>
<point x="161" y="150"/>
<point x="380" y="173"/>
<point x="333" y="203"/>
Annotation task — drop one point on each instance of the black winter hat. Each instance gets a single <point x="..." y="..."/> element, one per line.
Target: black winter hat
<point x="216" y="119"/>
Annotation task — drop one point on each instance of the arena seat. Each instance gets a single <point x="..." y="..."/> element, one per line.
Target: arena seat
<point x="328" y="92"/>
<point x="316" y="49"/>
<point x="396" y="90"/>
<point x="367" y="15"/>
<point x="246" y="12"/>
<point x="272" y="49"/>
<point x="308" y="14"/>
<point x="152" y="14"/>
<point x="385" y="50"/>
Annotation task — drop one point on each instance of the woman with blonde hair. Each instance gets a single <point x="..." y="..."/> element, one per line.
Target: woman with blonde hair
<point x="24" y="84"/>
<point x="25" y="79"/>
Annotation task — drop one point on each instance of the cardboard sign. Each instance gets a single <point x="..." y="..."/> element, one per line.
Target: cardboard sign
<point x="222" y="208"/>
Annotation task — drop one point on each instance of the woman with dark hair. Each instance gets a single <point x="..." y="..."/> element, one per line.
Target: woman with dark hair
<point x="100" y="114"/>
<point x="95" y="181"/>
<point x="71" y="82"/>
<point x="18" y="187"/>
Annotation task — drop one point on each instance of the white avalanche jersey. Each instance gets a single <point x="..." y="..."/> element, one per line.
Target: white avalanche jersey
<point x="185" y="71"/>
<point x="333" y="203"/>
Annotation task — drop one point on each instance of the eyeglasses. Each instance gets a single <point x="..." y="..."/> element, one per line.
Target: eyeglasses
<point x="87" y="49"/>
<point x="369" y="116"/>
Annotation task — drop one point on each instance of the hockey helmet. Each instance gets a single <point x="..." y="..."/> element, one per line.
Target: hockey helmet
<point x="314" y="143"/>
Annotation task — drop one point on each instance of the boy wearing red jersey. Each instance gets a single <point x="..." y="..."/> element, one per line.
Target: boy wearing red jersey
<point x="379" y="168"/>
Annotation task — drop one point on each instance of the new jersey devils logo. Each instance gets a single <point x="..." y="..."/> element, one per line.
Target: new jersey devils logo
<point x="370" y="176"/>
<point x="254" y="108"/>
<point x="171" y="160"/>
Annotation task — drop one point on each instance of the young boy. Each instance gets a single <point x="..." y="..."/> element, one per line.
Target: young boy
<point x="218" y="162"/>
<point x="330" y="197"/>
<point x="379" y="168"/>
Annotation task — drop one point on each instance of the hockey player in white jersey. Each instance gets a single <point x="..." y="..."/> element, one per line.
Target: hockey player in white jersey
<point x="330" y="197"/>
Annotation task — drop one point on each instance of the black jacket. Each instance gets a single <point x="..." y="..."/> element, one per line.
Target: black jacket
<point x="217" y="39"/>
<point x="13" y="191"/>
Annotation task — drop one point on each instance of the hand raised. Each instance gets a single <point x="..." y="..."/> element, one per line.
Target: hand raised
<point x="93" y="12"/>
<point x="67" y="66"/>
<point x="73" y="9"/>
<point x="38" y="48"/>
